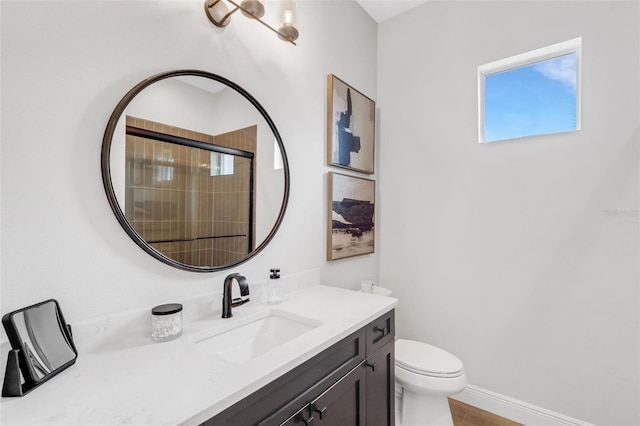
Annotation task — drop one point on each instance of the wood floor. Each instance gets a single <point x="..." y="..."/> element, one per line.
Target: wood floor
<point x="466" y="415"/>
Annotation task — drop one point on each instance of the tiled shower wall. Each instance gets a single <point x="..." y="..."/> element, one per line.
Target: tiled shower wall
<point x="174" y="203"/>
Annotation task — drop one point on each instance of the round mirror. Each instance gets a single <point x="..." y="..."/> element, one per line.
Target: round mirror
<point x="195" y="170"/>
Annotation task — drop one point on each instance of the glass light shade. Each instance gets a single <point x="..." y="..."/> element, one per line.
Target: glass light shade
<point x="288" y="17"/>
<point x="288" y="30"/>
<point x="217" y="12"/>
<point x="255" y="7"/>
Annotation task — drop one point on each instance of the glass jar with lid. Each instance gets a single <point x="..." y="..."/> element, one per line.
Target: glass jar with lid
<point x="166" y="322"/>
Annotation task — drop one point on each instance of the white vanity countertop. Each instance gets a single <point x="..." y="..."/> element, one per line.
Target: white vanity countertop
<point x="133" y="381"/>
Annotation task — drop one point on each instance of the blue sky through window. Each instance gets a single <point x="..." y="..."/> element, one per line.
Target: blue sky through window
<point x="535" y="99"/>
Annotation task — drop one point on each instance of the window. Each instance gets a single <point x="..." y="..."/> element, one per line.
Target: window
<point x="164" y="166"/>
<point x="535" y="93"/>
<point x="278" y="163"/>
<point x="221" y="164"/>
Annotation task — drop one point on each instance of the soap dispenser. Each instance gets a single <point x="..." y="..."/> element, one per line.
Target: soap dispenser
<point x="274" y="289"/>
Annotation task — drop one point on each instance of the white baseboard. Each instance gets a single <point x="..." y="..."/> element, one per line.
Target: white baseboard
<point x="513" y="409"/>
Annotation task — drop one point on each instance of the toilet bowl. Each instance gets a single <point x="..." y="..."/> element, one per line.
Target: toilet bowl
<point x="425" y="377"/>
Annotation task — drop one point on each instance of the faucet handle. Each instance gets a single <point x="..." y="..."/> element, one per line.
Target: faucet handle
<point x="239" y="301"/>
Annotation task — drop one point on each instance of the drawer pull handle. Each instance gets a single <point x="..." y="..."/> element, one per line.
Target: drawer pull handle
<point x="320" y="411"/>
<point x="372" y="366"/>
<point x="308" y="421"/>
<point x="384" y="330"/>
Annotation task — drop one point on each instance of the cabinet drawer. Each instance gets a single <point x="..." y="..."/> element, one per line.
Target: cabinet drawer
<point x="380" y="332"/>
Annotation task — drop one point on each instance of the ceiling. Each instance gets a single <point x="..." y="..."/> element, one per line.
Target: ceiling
<point x="381" y="10"/>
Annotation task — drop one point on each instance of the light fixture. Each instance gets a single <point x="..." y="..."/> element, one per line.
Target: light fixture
<point x="219" y="13"/>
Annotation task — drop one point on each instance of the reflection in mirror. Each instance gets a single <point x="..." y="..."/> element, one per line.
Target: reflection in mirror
<point x="42" y="342"/>
<point x="188" y="165"/>
<point x="191" y="198"/>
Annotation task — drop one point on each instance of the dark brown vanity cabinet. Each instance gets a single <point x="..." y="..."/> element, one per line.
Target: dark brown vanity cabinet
<point x="350" y="383"/>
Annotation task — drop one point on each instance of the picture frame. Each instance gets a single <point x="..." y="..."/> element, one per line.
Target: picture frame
<point x="350" y="216"/>
<point x="351" y="123"/>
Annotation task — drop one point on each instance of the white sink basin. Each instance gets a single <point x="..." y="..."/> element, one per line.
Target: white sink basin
<point x="247" y="338"/>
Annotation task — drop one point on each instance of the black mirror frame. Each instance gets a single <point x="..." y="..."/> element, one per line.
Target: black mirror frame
<point x="19" y="378"/>
<point x="108" y="184"/>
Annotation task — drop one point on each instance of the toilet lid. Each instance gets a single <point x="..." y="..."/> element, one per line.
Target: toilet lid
<point x="427" y="360"/>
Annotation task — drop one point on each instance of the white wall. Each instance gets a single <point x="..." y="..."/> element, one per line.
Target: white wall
<point x="65" y="66"/>
<point x="519" y="257"/>
<point x="508" y="257"/>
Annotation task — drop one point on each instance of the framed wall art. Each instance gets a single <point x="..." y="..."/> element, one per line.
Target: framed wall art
<point x="350" y="127"/>
<point x="351" y="212"/>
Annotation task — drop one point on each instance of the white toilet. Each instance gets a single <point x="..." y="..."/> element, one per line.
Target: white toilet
<point x="425" y="377"/>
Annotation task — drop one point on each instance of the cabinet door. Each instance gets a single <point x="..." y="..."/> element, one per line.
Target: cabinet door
<point x="343" y="404"/>
<point x="381" y="387"/>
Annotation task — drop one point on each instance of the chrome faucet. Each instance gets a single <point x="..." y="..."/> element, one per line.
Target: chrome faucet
<point x="227" y="303"/>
